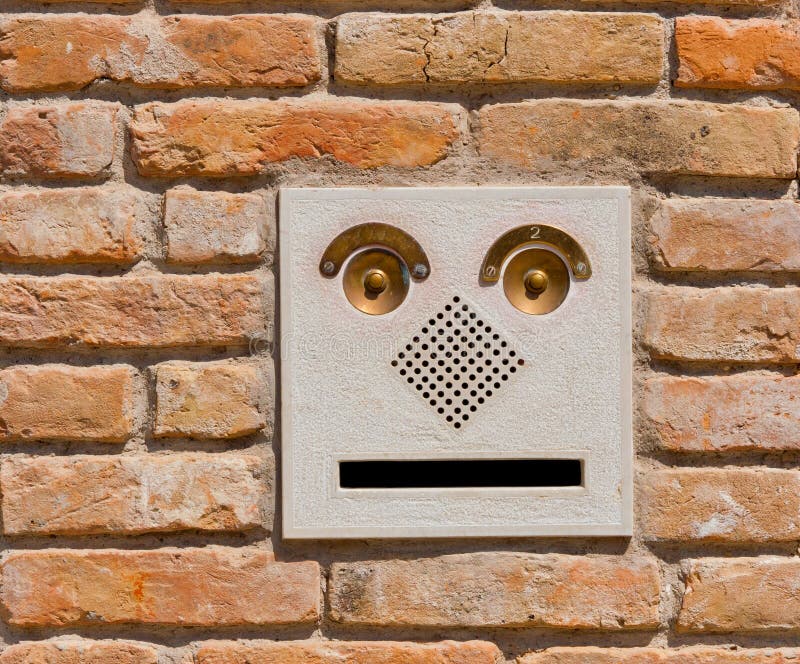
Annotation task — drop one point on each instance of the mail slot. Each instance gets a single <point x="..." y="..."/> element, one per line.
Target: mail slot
<point x="455" y="362"/>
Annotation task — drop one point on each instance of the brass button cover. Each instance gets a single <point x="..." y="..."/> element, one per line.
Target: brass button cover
<point x="536" y="281"/>
<point x="376" y="281"/>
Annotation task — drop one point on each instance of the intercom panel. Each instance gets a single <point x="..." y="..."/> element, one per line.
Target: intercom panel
<point x="455" y="362"/>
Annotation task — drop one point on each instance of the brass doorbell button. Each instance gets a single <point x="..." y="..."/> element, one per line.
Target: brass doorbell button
<point x="536" y="280"/>
<point x="375" y="281"/>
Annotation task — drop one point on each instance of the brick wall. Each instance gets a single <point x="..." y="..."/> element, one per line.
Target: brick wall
<point x="142" y="143"/>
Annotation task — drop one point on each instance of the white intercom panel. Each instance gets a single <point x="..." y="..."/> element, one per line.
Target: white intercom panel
<point x="455" y="362"/>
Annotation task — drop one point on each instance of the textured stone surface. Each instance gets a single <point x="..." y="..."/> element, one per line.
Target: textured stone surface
<point x="67" y="140"/>
<point x="132" y="494"/>
<point x="494" y="47"/>
<point x="327" y="652"/>
<point x="227" y="138"/>
<point x="720" y="505"/>
<point x="68" y="52"/>
<point x="724" y="413"/>
<point x="724" y="324"/>
<point x="726" y="234"/>
<point x="756" y="54"/>
<point x="86" y="225"/>
<point x="214" y="227"/>
<point x="78" y="651"/>
<point x="212" y="586"/>
<point x="211" y="400"/>
<point x="498" y="590"/>
<point x="692" y="655"/>
<point x="158" y="310"/>
<point x="690" y="138"/>
<point x="57" y="402"/>
<point x="741" y="595"/>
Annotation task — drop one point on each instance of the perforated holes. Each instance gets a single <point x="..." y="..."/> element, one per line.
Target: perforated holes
<point x="476" y="344"/>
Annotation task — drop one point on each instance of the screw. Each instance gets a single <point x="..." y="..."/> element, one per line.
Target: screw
<point x="490" y="271"/>
<point x="328" y="267"/>
<point x="420" y="271"/>
<point x="581" y="268"/>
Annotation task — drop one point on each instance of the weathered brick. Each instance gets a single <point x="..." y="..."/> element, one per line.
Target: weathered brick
<point x="741" y="595"/>
<point x="211" y="400"/>
<point x="134" y="311"/>
<point x="332" y="652"/>
<point x="724" y="324"/>
<point x="91" y="225"/>
<point x="131" y="494"/>
<point x="692" y="655"/>
<point x="212" y="586"/>
<point x="78" y="651"/>
<point x="498" y="590"/>
<point x="756" y="54"/>
<point x="726" y="234"/>
<point x="70" y="51"/>
<point x="214" y="227"/>
<point x="720" y="505"/>
<point x="689" y="138"/>
<point x="218" y="138"/>
<point x="724" y="413"/>
<point x="62" y="403"/>
<point x="499" y="47"/>
<point x="68" y="140"/>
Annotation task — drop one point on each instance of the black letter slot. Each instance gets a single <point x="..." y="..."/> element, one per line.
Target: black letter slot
<point x="474" y="473"/>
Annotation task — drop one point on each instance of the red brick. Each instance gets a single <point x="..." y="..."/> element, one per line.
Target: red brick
<point x="720" y="505"/>
<point x="756" y="54"/>
<point x="78" y="651"/>
<point x="68" y="140"/>
<point x="499" y="47"/>
<point x="675" y="137"/>
<point x="56" y="402"/>
<point x="214" y="226"/>
<point x="217" y="138"/>
<point x="132" y="494"/>
<point x="332" y="652"/>
<point x="61" y="226"/>
<point x="691" y="655"/>
<point x="726" y="595"/>
<point x="724" y="413"/>
<point x="69" y="51"/>
<point x="724" y="324"/>
<point x="211" y="587"/>
<point x="211" y="400"/>
<point x="134" y="311"/>
<point x="498" y="590"/>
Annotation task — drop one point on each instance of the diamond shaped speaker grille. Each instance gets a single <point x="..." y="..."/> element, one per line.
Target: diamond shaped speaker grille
<point x="457" y="362"/>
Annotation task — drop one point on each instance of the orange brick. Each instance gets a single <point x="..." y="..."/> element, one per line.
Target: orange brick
<point x="724" y="413"/>
<point x="211" y="400"/>
<point x="62" y="403"/>
<point x="720" y="505"/>
<point x="675" y="137"/>
<point x="725" y="595"/>
<point x="68" y="140"/>
<point x="332" y="652"/>
<point x="498" y="590"/>
<point x="68" y="52"/>
<point x="78" y="651"/>
<point x="218" y="138"/>
<point x="756" y="54"/>
<point x="214" y="226"/>
<point x="131" y="494"/>
<point x="709" y="235"/>
<point x="724" y="324"/>
<point x="134" y="311"/>
<point x="212" y="587"/>
<point x="59" y="226"/>
<point x="692" y="655"/>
